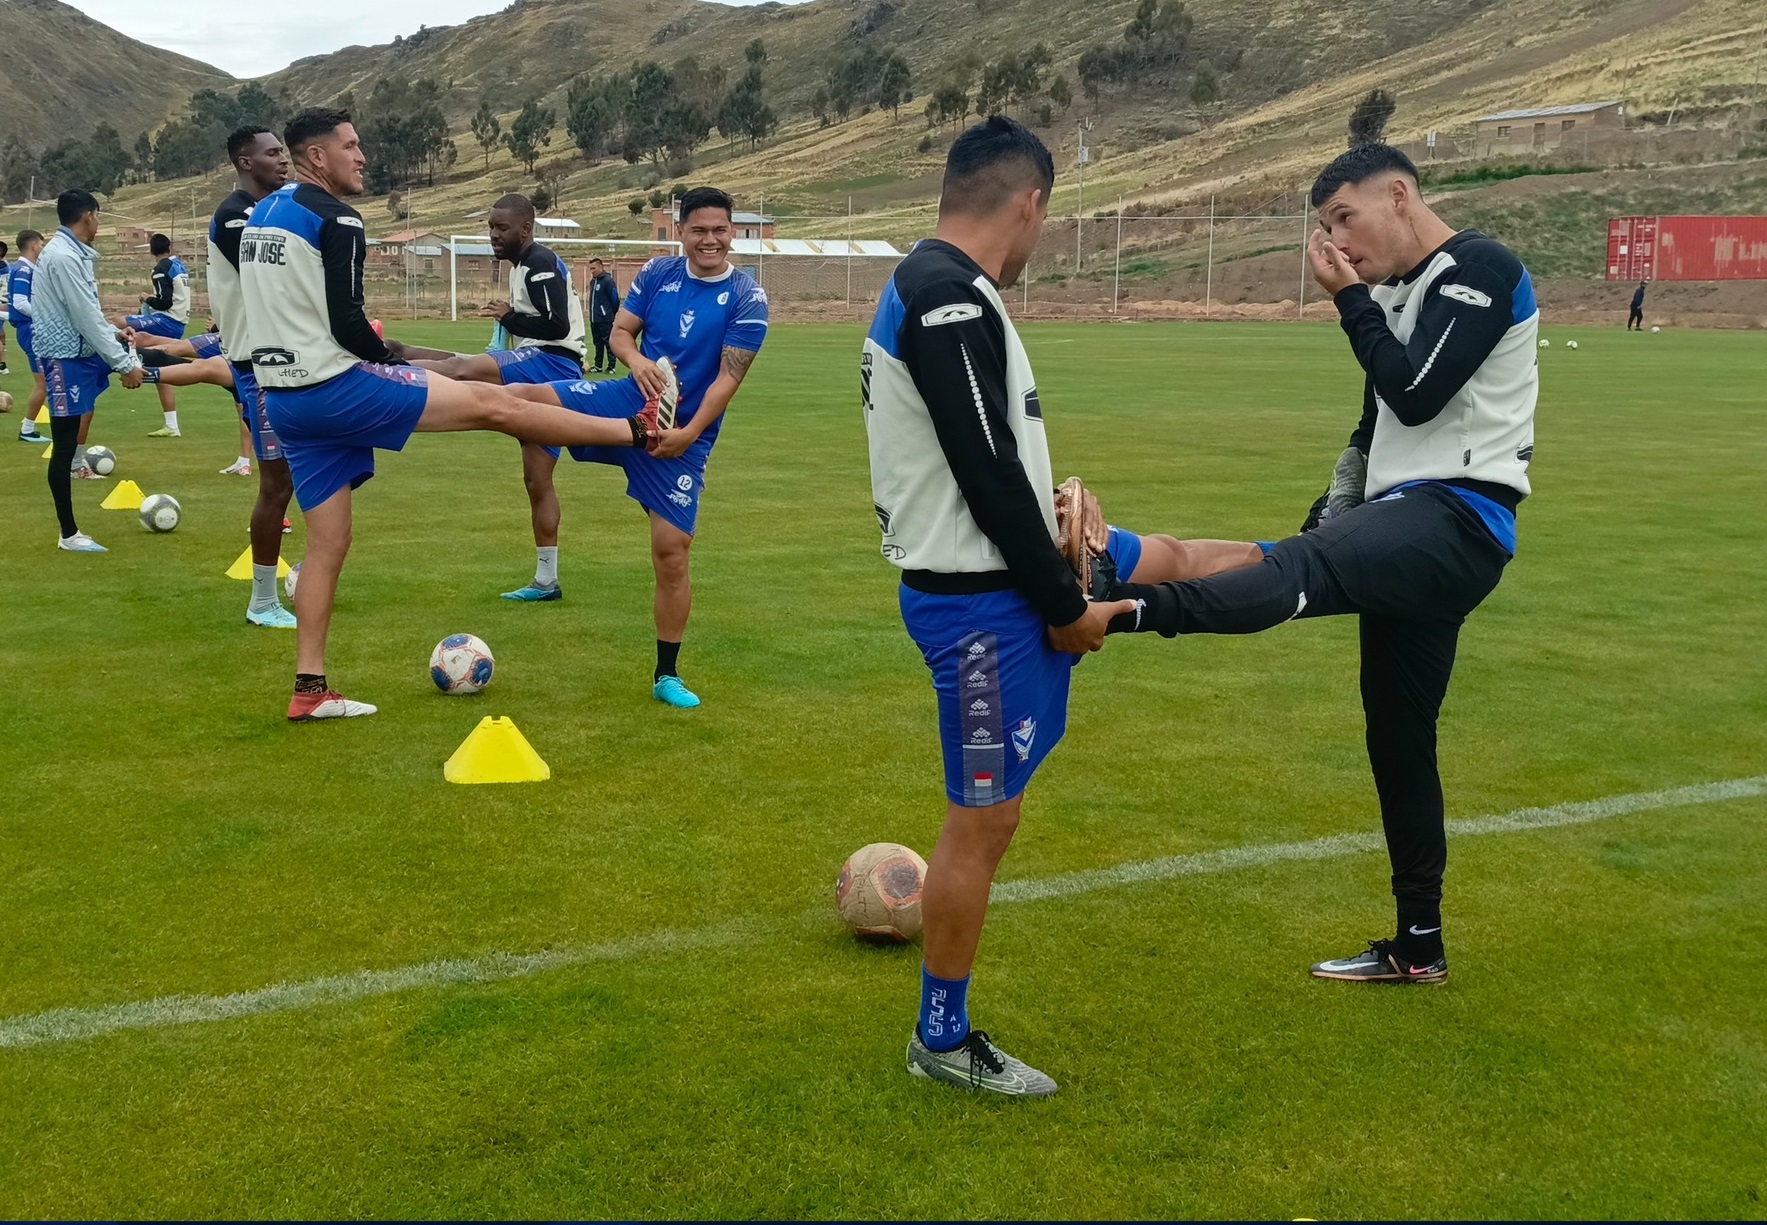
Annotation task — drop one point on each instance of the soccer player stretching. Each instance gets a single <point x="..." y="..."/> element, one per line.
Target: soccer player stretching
<point x="1419" y="521"/>
<point x="961" y="478"/>
<point x="333" y="391"/>
<point x="165" y="312"/>
<point x="708" y="318"/>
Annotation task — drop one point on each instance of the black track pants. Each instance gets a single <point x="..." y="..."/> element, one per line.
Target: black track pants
<point x="1412" y="566"/>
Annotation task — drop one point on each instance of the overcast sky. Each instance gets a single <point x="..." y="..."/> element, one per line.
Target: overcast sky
<point x="251" y="41"/>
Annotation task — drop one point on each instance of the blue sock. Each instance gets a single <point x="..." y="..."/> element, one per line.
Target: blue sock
<point x="944" y="1011"/>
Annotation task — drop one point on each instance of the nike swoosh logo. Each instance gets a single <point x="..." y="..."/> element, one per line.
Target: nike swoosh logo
<point x="1424" y="931"/>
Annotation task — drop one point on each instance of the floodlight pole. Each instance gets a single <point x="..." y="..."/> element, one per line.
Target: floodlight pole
<point x="1301" y="298"/>
<point x="849" y="252"/>
<point x="453" y="278"/>
<point x="1117" y="282"/>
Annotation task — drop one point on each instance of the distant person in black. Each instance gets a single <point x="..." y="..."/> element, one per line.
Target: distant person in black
<point x="604" y="304"/>
<point x="1637" y="315"/>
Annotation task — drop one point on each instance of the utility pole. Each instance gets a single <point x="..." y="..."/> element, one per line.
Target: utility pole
<point x="1084" y="155"/>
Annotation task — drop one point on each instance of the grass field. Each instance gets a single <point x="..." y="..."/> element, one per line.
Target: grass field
<point x="700" y="1037"/>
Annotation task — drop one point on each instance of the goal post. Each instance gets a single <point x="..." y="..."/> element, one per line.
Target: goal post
<point x="472" y="266"/>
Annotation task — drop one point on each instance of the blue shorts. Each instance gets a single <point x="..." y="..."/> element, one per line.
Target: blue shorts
<point x="669" y="488"/>
<point x="1002" y="689"/>
<point x="329" y="433"/>
<point x="531" y="364"/>
<point x="253" y="411"/>
<point x="1125" y="551"/>
<point x="74" y="384"/>
<point x="156" y="324"/>
<point x="24" y="344"/>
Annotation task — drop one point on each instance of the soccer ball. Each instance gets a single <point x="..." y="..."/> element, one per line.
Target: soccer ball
<point x="5" y="401"/>
<point x="101" y="460"/>
<point x="461" y="663"/>
<point x="159" y="512"/>
<point x="1544" y="343"/>
<point x="1656" y="329"/>
<point x="292" y="579"/>
<point x="878" y="892"/>
<point x="1570" y="344"/>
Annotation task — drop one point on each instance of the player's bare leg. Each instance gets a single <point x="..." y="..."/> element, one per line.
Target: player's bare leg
<point x="455" y="406"/>
<point x="954" y="901"/>
<point x="168" y="406"/>
<point x="328" y="543"/>
<point x="462" y="367"/>
<point x="1166" y="559"/>
<point x="269" y="512"/>
<point x="669" y="550"/>
<point x="538" y="467"/>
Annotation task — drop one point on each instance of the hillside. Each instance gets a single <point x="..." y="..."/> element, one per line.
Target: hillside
<point x="63" y="73"/>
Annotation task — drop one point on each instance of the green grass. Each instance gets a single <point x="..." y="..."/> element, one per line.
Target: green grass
<point x="164" y="831"/>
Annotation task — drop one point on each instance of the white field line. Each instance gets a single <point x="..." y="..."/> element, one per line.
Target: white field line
<point x="74" y="1024"/>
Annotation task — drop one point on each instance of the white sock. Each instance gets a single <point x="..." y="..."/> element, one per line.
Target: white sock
<point x="172" y="420"/>
<point x="546" y="566"/>
<point x="27" y="427"/>
<point x="245" y="461"/>
<point x="263" y="588"/>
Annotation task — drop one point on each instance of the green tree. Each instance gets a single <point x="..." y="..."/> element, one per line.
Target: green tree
<point x="647" y="103"/>
<point x="1368" y="122"/>
<point x="588" y="118"/>
<point x="486" y="129"/>
<point x="1206" y="87"/>
<point x="1061" y="93"/>
<point x="755" y="53"/>
<point x="820" y="105"/>
<point x="530" y="132"/>
<point x="635" y="206"/>
<point x="18" y="164"/>
<point x="144" y="156"/>
<point x="894" y="85"/>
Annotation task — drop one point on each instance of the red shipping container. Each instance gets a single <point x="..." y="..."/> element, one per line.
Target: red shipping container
<point x="1687" y="249"/>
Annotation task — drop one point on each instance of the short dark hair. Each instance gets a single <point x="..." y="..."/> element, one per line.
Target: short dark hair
<point x="515" y="202"/>
<point x="1358" y="166"/>
<point x="3" y="250"/>
<point x="309" y="125"/>
<point x="706" y="197"/>
<point x="240" y="139"/>
<point x="159" y="244"/>
<point x="993" y="160"/>
<point x="73" y="204"/>
<point x="27" y="237"/>
<point x="596" y="259"/>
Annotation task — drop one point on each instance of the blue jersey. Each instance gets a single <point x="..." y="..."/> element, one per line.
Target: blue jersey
<point x="691" y="322"/>
<point x="18" y="299"/>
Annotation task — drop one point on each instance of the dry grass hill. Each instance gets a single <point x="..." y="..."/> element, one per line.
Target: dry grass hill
<point x="62" y="71"/>
<point x="1297" y="70"/>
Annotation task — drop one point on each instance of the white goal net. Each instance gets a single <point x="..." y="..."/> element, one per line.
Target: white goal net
<point x="475" y="276"/>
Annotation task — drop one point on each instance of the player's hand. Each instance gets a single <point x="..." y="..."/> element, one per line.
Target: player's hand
<point x="132" y="378"/>
<point x="671" y="444"/>
<point x="495" y="310"/>
<point x="650" y="380"/>
<point x="1330" y="268"/>
<point x="395" y="347"/>
<point x="1087" y="634"/>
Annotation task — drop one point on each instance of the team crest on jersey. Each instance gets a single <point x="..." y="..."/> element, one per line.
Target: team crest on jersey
<point x="1023" y="736"/>
<point x="724" y="298"/>
<point x="687" y="318"/>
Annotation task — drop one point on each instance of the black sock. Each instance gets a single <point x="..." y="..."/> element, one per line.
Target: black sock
<point x="65" y="435"/>
<point x="309" y="682"/>
<point x="667" y="653"/>
<point x="1420" y="930"/>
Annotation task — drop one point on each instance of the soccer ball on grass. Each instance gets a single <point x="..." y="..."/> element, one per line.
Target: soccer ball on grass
<point x="461" y="663"/>
<point x="101" y="460"/>
<point x="1545" y="343"/>
<point x="5" y="402"/>
<point x="878" y="892"/>
<point x="1570" y="344"/>
<point x="160" y="512"/>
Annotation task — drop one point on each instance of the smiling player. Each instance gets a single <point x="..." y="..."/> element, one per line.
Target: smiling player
<point x="708" y="318"/>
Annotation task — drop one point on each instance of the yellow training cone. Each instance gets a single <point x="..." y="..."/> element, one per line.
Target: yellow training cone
<point x="42" y="417"/>
<point x="126" y="496"/>
<point x="496" y="753"/>
<point x="242" y="568"/>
